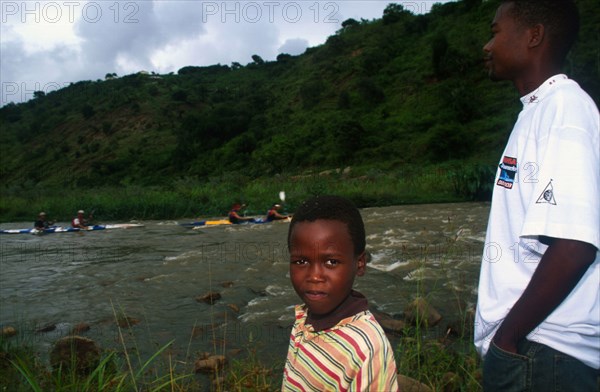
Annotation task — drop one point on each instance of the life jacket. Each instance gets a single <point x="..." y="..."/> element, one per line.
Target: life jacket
<point x="232" y="216"/>
<point x="271" y="214"/>
<point x="76" y="222"/>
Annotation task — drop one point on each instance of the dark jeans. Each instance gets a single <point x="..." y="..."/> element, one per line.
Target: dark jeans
<point x="536" y="367"/>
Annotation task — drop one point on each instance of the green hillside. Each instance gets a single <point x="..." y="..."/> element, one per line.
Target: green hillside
<point x="401" y="91"/>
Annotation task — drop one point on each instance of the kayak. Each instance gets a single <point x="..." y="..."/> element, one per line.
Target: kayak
<point x="222" y="222"/>
<point x="226" y="222"/>
<point x="207" y="223"/>
<point x="60" y="229"/>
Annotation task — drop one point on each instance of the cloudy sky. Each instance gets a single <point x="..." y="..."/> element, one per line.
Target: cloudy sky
<point x="47" y="44"/>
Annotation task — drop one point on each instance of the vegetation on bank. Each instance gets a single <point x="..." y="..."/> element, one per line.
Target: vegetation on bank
<point x="445" y="364"/>
<point x="189" y="198"/>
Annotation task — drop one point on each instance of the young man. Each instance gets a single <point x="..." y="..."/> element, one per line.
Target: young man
<point x="42" y="222"/>
<point x="273" y="213"/>
<point x="336" y="344"/>
<point x="234" y="214"/>
<point x="538" y="312"/>
<point x="79" y="221"/>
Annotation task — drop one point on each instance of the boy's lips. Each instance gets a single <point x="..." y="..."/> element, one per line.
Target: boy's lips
<point x="315" y="295"/>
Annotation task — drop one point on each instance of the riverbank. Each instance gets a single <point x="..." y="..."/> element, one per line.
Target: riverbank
<point x="425" y="363"/>
<point x="190" y="197"/>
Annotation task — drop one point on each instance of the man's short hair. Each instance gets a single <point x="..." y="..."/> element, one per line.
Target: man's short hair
<point x="334" y="208"/>
<point x="559" y="18"/>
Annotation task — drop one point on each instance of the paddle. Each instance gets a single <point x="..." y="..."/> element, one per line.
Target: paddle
<point x="282" y="198"/>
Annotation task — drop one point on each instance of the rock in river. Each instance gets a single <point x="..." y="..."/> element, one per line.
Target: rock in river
<point x="420" y="312"/>
<point x="75" y="353"/>
<point x="211" y="364"/>
<point x="8" y="332"/>
<point x="210" y="298"/>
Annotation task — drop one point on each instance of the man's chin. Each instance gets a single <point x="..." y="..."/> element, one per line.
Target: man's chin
<point x="494" y="77"/>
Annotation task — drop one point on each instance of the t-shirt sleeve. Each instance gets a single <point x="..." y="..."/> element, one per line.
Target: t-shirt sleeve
<point x="566" y="197"/>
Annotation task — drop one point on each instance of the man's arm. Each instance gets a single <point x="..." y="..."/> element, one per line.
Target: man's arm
<point x="560" y="269"/>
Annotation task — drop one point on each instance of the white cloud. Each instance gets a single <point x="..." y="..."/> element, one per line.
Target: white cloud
<point x="294" y="46"/>
<point x="51" y="43"/>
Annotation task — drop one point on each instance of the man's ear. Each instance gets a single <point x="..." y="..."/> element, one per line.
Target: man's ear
<point x="361" y="264"/>
<point x="536" y="35"/>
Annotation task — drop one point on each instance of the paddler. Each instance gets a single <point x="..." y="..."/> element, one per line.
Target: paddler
<point x="235" y="217"/>
<point x="273" y="213"/>
<point x="42" y="223"/>
<point x="80" y="222"/>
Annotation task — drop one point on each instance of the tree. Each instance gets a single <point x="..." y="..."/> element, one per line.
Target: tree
<point x="369" y="90"/>
<point x="349" y="138"/>
<point x="310" y="92"/>
<point x="282" y="57"/>
<point x="349" y="23"/>
<point x="10" y="112"/>
<point x="344" y="100"/>
<point x="180" y="95"/>
<point x="39" y="94"/>
<point x="257" y="59"/>
<point x="87" y="111"/>
<point x="439" y="48"/>
<point x="393" y="13"/>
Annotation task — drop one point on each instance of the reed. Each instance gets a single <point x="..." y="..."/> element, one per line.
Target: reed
<point x="22" y="369"/>
<point x="191" y="198"/>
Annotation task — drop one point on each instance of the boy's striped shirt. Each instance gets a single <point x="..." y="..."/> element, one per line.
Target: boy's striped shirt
<point x="354" y="355"/>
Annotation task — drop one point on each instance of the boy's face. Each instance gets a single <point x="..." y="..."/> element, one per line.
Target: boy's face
<point x="323" y="264"/>
<point x="506" y="52"/>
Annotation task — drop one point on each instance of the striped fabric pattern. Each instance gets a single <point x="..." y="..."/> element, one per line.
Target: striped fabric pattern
<point x="354" y="355"/>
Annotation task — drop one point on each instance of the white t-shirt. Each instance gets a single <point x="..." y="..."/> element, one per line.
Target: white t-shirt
<point x="548" y="184"/>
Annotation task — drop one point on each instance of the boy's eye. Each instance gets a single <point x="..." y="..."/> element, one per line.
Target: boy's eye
<point x="332" y="262"/>
<point x="299" y="261"/>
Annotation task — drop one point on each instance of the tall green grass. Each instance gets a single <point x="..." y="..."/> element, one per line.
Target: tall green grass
<point x="448" y="363"/>
<point x="23" y="369"/>
<point x="191" y="198"/>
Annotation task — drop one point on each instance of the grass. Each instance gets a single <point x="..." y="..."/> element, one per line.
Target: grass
<point x="191" y="198"/>
<point x="22" y="369"/>
<point x="446" y="364"/>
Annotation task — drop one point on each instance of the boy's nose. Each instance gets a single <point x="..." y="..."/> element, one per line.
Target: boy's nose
<point x="315" y="273"/>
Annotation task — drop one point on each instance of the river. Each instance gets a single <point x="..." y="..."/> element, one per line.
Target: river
<point x="152" y="275"/>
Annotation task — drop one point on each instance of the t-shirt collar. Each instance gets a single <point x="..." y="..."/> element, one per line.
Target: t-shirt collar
<point x="536" y="95"/>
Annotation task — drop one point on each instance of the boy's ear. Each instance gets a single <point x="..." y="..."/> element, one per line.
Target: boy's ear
<point x="361" y="264"/>
<point x="536" y="35"/>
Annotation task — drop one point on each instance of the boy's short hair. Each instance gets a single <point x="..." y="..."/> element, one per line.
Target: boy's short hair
<point x="334" y="208"/>
<point x="560" y="19"/>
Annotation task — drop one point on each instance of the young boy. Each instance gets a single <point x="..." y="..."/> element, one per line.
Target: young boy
<point x="336" y="344"/>
<point x="538" y="311"/>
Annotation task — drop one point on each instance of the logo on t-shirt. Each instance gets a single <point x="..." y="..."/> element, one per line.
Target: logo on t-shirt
<point x="508" y="171"/>
<point x="547" y="195"/>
